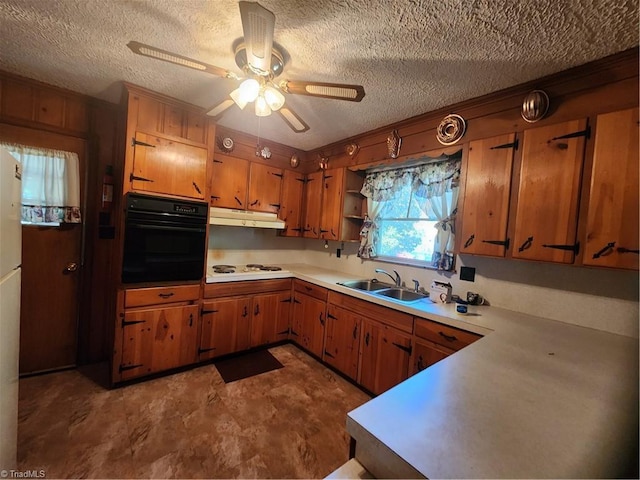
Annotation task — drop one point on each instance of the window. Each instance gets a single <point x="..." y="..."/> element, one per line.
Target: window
<point x="411" y="212"/>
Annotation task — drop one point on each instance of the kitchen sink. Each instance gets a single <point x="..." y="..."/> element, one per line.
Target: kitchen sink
<point x="402" y="294"/>
<point x="366" y="285"/>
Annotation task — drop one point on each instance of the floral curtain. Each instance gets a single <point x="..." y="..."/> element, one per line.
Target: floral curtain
<point x="50" y="185"/>
<point x="434" y="185"/>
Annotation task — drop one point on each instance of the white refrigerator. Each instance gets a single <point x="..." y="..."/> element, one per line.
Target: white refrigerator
<point x="10" y="273"/>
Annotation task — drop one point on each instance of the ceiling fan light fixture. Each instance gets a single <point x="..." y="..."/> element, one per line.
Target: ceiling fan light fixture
<point x="262" y="107"/>
<point x="273" y="97"/>
<point x="248" y="90"/>
<point x="236" y="97"/>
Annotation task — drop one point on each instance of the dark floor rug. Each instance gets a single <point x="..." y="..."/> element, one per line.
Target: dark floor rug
<point x="247" y="365"/>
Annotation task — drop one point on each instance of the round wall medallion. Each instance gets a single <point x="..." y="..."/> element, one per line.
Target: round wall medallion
<point x="451" y="129"/>
<point x="535" y="106"/>
<point x="294" y="161"/>
<point x="227" y="142"/>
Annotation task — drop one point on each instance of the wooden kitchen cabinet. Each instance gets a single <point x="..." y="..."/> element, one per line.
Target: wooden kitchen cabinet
<point x="425" y="354"/>
<point x="312" y="205"/>
<point x="270" y="318"/>
<point x="226" y="327"/>
<point x="163" y="165"/>
<point x="308" y="316"/>
<point x="241" y="184"/>
<point x="157" y="339"/>
<point x="229" y="182"/>
<point x="487" y="192"/>
<point x="342" y="340"/>
<point x="291" y="201"/>
<point x="384" y="356"/>
<point x="549" y="192"/>
<point x="332" y="198"/>
<point x="612" y="218"/>
<point x="354" y="206"/>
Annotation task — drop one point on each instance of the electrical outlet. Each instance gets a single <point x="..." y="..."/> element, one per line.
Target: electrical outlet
<point x="468" y="274"/>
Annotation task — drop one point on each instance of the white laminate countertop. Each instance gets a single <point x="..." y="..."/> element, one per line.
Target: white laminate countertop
<point x="534" y="398"/>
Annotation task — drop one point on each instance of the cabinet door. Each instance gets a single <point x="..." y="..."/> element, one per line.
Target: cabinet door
<point x="549" y="192"/>
<point x="487" y="193"/>
<point x="265" y="184"/>
<point x="342" y="340"/>
<point x="424" y="354"/>
<point x="166" y="166"/>
<point x="224" y="321"/>
<point x="229" y="182"/>
<point x="332" y="198"/>
<point x="291" y="203"/>
<point x="612" y="225"/>
<point x="312" y="205"/>
<point x="158" y="339"/>
<point x="309" y="318"/>
<point x="385" y="354"/>
<point x="270" y="322"/>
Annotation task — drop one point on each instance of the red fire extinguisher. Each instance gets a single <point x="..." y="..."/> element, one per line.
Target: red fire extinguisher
<point x="107" y="189"/>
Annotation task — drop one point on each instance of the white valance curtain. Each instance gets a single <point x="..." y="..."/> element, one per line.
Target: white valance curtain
<point x="50" y="185"/>
<point x="435" y="187"/>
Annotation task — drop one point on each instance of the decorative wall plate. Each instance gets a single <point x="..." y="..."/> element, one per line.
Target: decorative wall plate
<point x="323" y="162"/>
<point x="265" y="152"/>
<point x="352" y="149"/>
<point x="225" y="144"/>
<point x="451" y="129"/>
<point x="535" y="106"/>
<point x="394" y="142"/>
<point x="294" y="161"/>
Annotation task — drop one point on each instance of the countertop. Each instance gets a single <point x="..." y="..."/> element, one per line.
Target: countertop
<point x="533" y="398"/>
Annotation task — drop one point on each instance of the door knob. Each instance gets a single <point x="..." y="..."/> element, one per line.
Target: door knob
<point x="71" y="267"/>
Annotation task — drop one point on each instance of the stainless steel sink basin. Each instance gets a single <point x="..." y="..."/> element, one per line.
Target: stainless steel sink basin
<point x="402" y="294"/>
<point x="366" y="285"/>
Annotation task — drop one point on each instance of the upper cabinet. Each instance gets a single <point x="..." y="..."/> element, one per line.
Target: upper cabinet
<point x="238" y="183"/>
<point x="549" y="192"/>
<point x="291" y="203"/>
<point x="331" y="210"/>
<point x="486" y="199"/>
<point x="612" y="218"/>
<point x="313" y="204"/>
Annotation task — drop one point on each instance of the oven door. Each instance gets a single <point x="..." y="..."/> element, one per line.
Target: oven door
<point x="162" y="247"/>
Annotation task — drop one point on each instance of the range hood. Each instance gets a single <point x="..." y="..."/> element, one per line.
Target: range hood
<point x="244" y="218"/>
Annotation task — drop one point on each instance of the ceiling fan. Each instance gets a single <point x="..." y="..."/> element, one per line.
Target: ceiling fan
<point x="261" y="63"/>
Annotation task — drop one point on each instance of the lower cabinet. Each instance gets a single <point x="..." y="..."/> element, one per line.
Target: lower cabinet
<point x="308" y="322"/>
<point x="427" y="353"/>
<point x="157" y="329"/>
<point x="226" y="327"/>
<point x="342" y="341"/>
<point x="270" y="318"/>
<point x="385" y="354"/>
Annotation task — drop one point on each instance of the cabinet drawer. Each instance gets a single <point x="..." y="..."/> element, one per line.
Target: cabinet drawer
<point x="229" y="289"/>
<point x="158" y="295"/>
<point x="310" y="289"/>
<point x="374" y="311"/>
<point x="450" y="337"/>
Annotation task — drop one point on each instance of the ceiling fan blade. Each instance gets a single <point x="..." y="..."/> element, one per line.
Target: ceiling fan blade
<point x="257" y="25"/>
<point x="292" y="119"/>
<point x="166" y="56"/>
<point x="336" y="91"/>
<point x="220" y="108"/>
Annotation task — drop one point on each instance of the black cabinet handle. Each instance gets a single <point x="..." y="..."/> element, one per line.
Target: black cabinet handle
<point x="448" y="338"/>
<point x="328" y="354"/>
<point x="609" y="246"/>
<point x="321" y="319"/>
<point x="253" y="204"/>
<point x="195" y="185"/>
<point x="355" y="331"/>
<point x="366" y="339"/>
<point x="421" y="366"/>
<point x="256" y="311"/>
<point x="402" y="347"/>
<point x="332" y="317"/>
<point x="238" y="201"/>
<point x="626" y="250"/>
<point x="277" y="174"/>
<point x="527" y="243"/>
<point x="133" y="177"/>
<point x="166" y="295"/>
<point x="275" y="205"/>
<point x="513" y="145"/>
<point x="191" y="319"/>
<point x="245" y="312"/>
<point x="333" y="234"/>
<point x="469" y="241"/>
<point x="502" y="243"/>
<point x="135" y="142"/>
<point x="575" y="248"/>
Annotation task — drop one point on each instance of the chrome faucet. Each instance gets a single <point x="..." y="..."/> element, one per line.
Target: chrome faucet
<point x="397" y="280"/>
<point x="416" y="285"/>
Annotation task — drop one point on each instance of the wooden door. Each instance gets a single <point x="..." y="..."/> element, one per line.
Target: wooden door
<point x="425" y="353"/>
<point x="270" y="321"/>
<point x="312" y="205"/>
<point x="291" y="203"/>
<point x="342" y="341"/>
<point x="244" y="324"/>
<point x="549" y="192"/>
<point x="161" y="165"/>
<point x="265" y="184"/>
<point x="487" y="193"/>
<point x="220" y="319"/>
<point x="309" y="319"/>
<point x="385" y="354"/>
<point x="612" y="225"/>
<point x="229" y="182"/>
<point x="158" y="339"/>
<point x="50" y="299"/>
<point x="332" y="198"/>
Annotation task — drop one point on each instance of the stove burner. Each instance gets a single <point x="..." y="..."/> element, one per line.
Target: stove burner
<point x="254" y="265"/>
<point x="270" y="268"/>
<point x="222" y="266"/>
<point x="223" y="269"/>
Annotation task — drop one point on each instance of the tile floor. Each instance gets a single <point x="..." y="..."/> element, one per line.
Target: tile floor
<point x="287" y="423"/>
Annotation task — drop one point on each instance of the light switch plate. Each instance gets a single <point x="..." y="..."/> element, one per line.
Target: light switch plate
<point x="468" y="274"/>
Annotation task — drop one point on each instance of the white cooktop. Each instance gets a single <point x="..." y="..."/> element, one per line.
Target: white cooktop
<point x="243" y="272"/>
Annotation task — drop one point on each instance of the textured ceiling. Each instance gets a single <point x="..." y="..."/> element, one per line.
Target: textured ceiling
<point x="411" y="56"/>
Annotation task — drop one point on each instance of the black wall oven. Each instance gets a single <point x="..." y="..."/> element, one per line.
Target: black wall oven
<point x="164" y="239"/>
